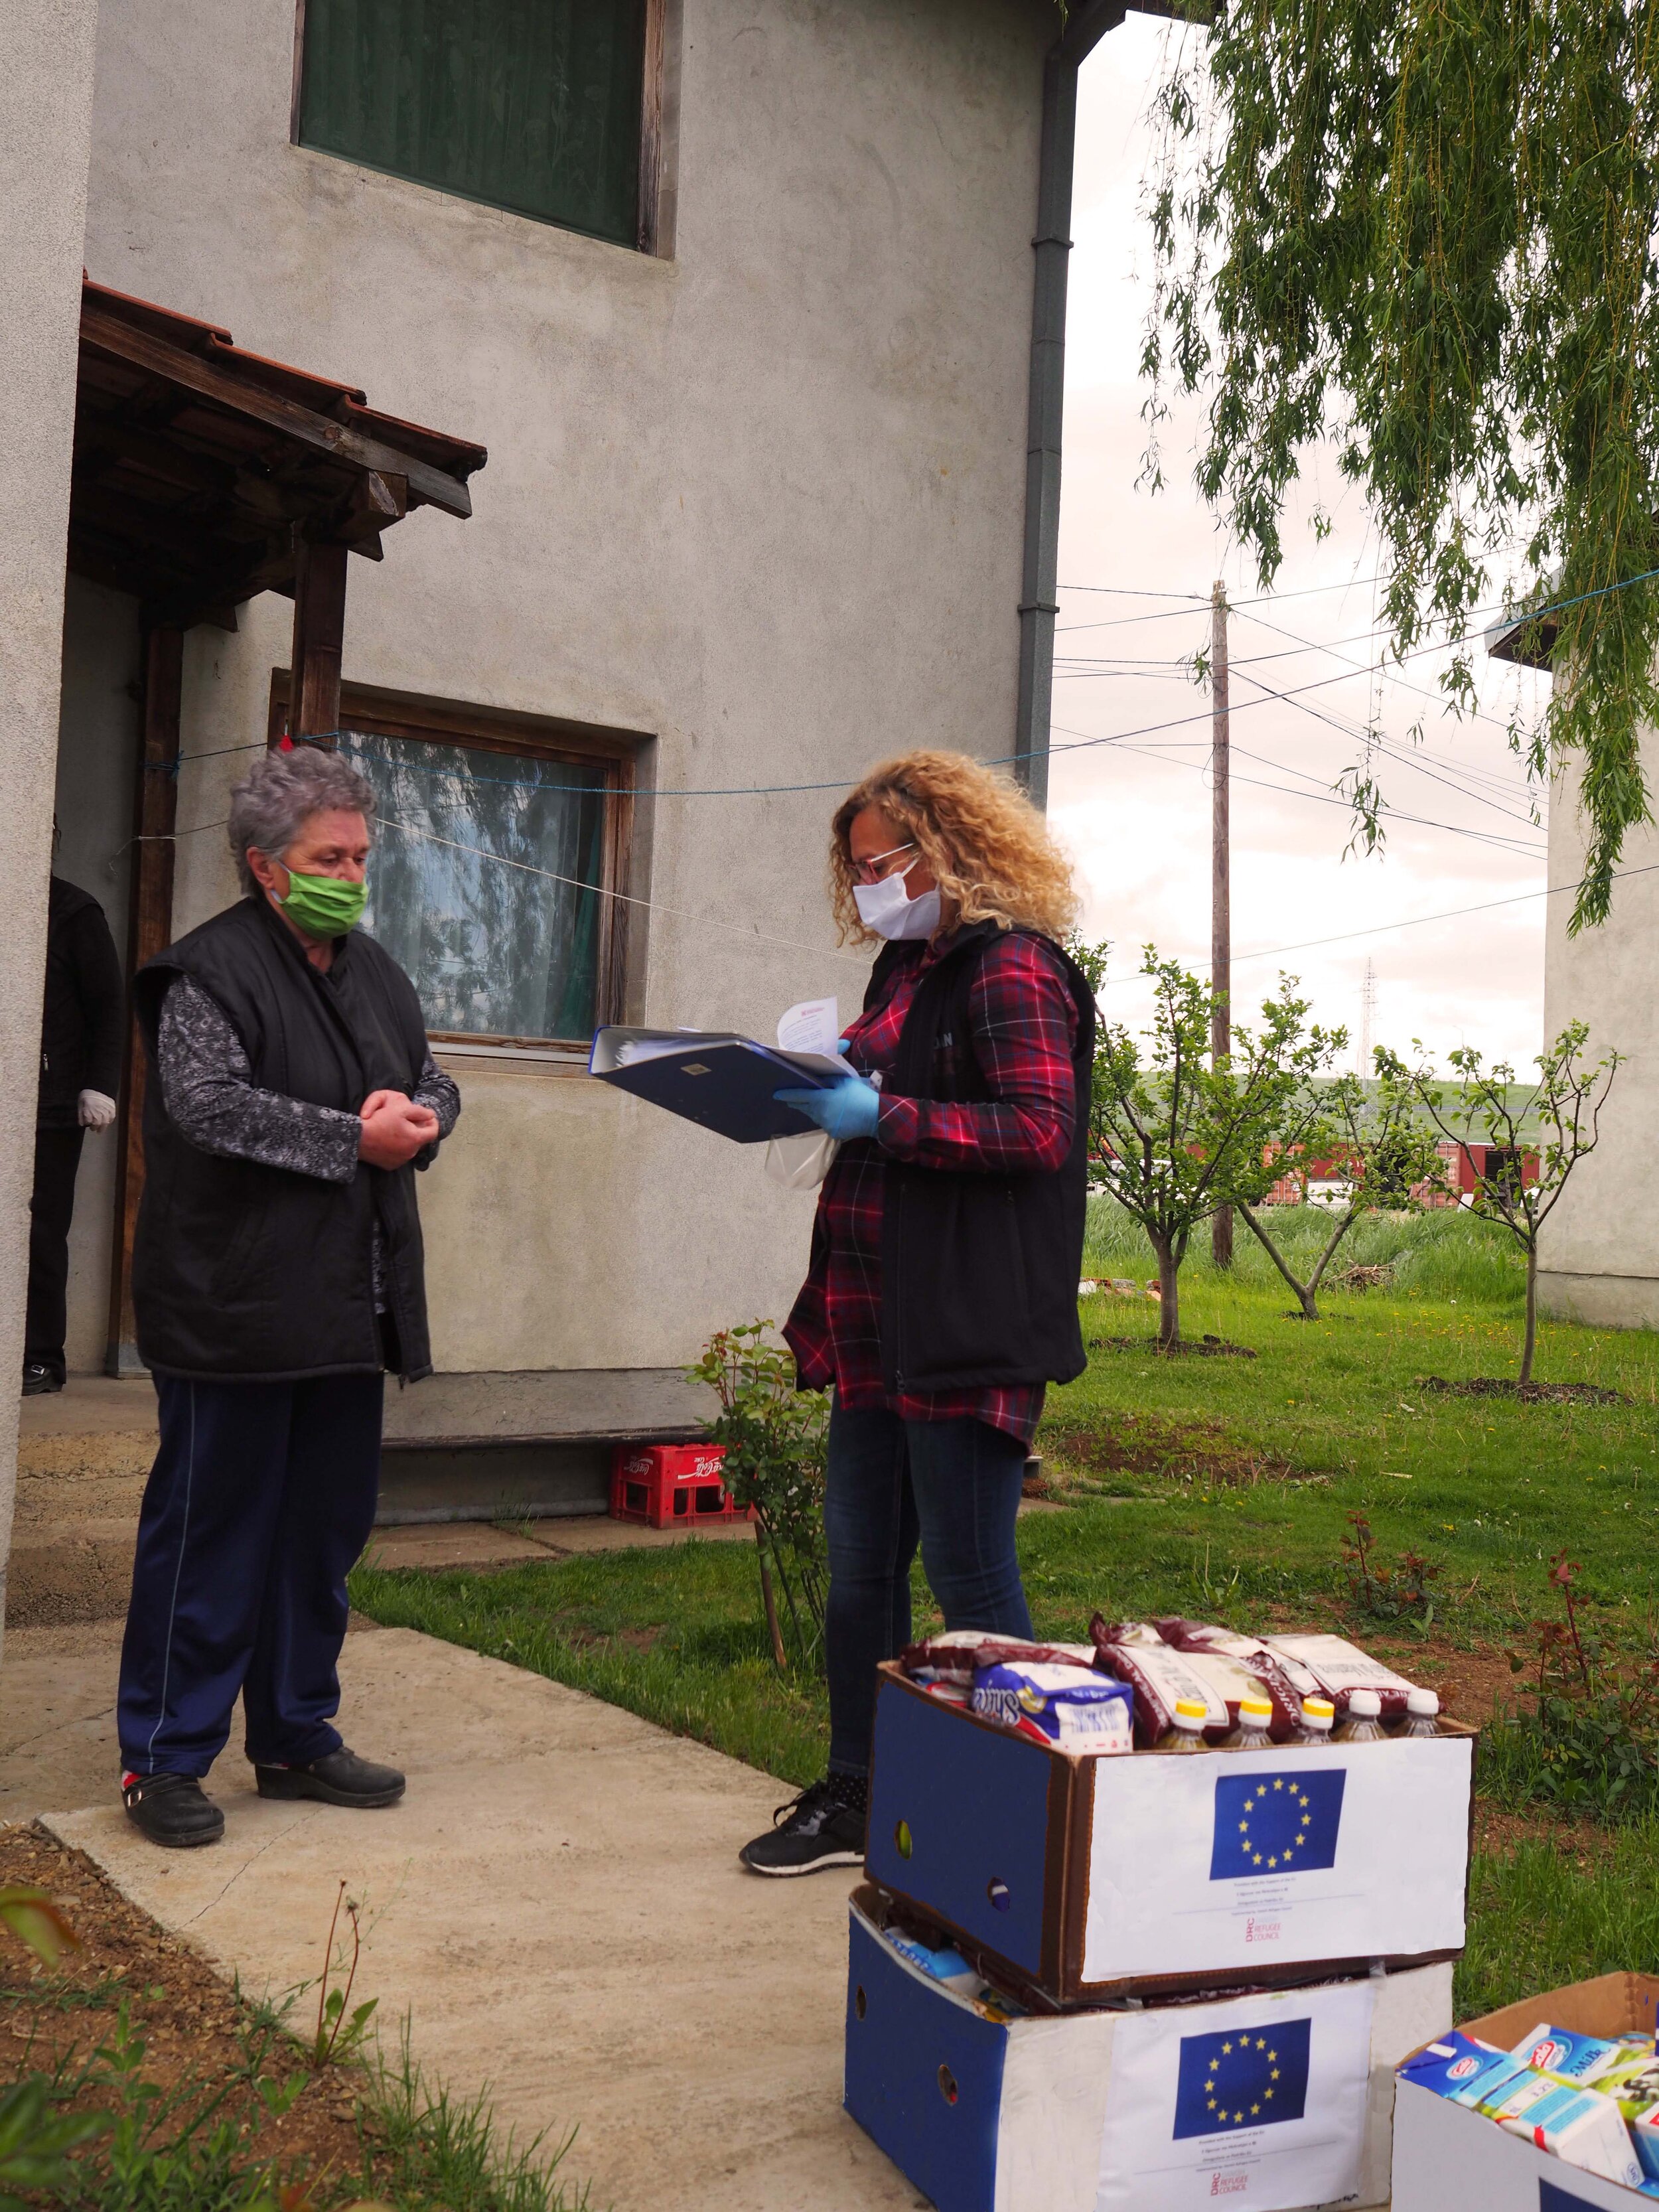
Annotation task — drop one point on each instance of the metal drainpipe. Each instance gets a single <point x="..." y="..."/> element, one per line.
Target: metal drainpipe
<point x="1085" y="26"/>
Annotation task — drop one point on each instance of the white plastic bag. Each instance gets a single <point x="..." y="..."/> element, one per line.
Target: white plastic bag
<point x="801" y="1162"/>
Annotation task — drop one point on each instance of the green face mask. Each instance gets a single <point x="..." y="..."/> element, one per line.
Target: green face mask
<point x="324" y="906"/>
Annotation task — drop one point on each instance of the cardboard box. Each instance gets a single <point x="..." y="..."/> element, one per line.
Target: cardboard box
<point x="1084" y="1877"/>
<point x="1449" y="2159"/>
<point x="1124" y="2110"/>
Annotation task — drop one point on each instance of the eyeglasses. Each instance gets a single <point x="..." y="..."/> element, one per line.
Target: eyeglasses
<point x="874" y="870"/>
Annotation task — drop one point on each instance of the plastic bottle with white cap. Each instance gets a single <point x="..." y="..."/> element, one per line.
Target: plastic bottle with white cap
<point x="1422" y="1713"/>
<point x="1362" y="1722"/>
<point x="1186" y="1732"/>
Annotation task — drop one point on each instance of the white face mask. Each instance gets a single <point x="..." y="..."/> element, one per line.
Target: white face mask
<point x="888" y="909"/>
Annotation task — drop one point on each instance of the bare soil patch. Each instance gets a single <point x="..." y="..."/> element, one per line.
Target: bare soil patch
<point x="1190" y="1347"/>
<point x="1497" y="1385"/>
<point x="193" y="2026"/>
<point x="1147" y="1444"/>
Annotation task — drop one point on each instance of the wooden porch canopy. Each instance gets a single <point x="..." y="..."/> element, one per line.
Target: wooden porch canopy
<point x="204" y="475"/>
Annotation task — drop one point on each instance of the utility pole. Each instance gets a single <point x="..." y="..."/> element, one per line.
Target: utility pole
<point x="1367" y="1017"/>
<point x="1221" y="921"/>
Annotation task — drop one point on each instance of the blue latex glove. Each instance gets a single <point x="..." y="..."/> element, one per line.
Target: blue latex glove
<point x="848" y="1110"/>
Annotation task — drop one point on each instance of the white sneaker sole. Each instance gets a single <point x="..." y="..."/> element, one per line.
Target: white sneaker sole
<point x="812" y="1866"/>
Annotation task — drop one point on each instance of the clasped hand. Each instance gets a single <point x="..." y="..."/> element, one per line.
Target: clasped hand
<point x="394" y="1128"/>
<point x="849" y="1110"/>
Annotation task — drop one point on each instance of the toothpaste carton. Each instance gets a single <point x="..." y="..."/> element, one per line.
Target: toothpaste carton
<point x="1454" y="2066"/>
<point x="1580" y="2127"/>
<point x="1073" y="1708"/>
<point x="1580" y="2059"/>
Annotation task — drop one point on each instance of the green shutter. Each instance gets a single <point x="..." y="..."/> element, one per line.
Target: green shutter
<point x="531" y="105"/>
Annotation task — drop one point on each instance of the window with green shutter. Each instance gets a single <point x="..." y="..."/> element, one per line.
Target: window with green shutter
<point x="531" y="104"/>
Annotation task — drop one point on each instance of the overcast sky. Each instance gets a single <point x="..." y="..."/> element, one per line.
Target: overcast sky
<point x="1138" y="820"/>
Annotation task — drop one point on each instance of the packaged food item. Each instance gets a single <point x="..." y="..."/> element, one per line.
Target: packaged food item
<point x="1286" y="1681"/>
<point x="1633" y="2083"/>
<point x="1140" y="1632"/>
<point x="1070" y="1707"/>
<point x="1488" y="2093"/>
<point x="1256" y="1720"/>
<point x="1160" y="1678"/>
<point x="1362" y="1723"/>
<point x="1340" y="1668"/>
<point x="1186" y="1730"/>
<point x="1453" y="2065"/>
<point x="955" y="1655"/>
<point x="1580" y="2059"/>
<point x="1422" y="1713"/>
<point x="950" y="1694"/>
<point x="946" y="1966"/>
<point x="1580" y="2127"/>
<point x="1643" y="2126"/>
<point x="1315" y="1721"/>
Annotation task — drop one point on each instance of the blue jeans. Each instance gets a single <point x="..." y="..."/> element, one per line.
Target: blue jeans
<point x="952" y="1485"/>
<point x="262" y="1496"/>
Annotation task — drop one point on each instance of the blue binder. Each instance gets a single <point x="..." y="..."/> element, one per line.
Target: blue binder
<point x="722" y="1082"/>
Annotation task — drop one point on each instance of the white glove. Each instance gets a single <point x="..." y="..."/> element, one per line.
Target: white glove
<point x="93" y="1110"/>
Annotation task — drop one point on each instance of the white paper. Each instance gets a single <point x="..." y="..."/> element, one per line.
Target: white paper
<point x="1395" y="1887"/>
<point x="1314" y="2158"/>
<point x="813" y="1025"/>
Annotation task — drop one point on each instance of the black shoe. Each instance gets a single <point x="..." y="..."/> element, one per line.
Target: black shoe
<point x="822" y="1827"/>
<point x="338" y="1778"/>
<point x="170" y="1809"/>
<point x="37" y="1380"/>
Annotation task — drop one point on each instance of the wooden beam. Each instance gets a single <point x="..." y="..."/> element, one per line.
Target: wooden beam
<point x="108" y="335"/>
<point x="320" y="586"/>
<point x="651" y="131"/>
<point x="149" y="930"/>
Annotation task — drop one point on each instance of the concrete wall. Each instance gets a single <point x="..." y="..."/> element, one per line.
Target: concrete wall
<point x="1599" y="1255"/>
<point x="97" y="761"/>
<point x="45" y="102"/>
<point x="759" y="502"/>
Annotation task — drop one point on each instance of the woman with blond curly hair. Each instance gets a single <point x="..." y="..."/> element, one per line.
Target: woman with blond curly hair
<point x="941" y="1296"/>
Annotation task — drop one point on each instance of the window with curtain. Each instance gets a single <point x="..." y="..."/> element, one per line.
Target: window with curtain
<point x="531" y="104"/>
<point x="488" y="883"/>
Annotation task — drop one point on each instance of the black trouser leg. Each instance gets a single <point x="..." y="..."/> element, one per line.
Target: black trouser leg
<point x="51" y="1208"/>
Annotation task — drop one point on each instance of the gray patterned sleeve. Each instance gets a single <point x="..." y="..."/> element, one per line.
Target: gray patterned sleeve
<point x="438" y="1091"/>
<point x="208" y="1089"/>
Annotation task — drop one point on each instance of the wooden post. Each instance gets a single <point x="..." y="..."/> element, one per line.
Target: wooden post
<point x="319" y="582"/>
<point x="150" y="928"/>
<point x="1221" y="922"/>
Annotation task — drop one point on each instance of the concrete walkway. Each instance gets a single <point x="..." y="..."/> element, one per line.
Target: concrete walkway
<point x="555" y="1905"/>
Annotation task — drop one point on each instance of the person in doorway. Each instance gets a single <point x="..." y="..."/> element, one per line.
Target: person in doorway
<point x="81" y="1035"/>
<point x="942" y="1292"/>
<point x="276" y="1275"/>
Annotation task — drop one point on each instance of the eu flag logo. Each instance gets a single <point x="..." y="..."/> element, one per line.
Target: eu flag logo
<point x="1276" y="1823"/>
<point x="1248" y="2078"/>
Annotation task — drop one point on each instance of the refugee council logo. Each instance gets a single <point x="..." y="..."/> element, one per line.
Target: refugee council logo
<point x="1251" y="2077"/>
<point x="1276" y="1824"/>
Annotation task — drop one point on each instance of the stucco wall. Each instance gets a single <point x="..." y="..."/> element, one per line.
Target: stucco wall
<point x="45" y="100"/>
<point x="761" y="501"/>
<point x="1599" y="1255"/>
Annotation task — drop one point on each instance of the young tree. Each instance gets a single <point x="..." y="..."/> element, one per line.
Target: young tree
<point x="1383" y="1150"/>
<point x="1172" y="1137"/>
<point x="1557" y="1124"/>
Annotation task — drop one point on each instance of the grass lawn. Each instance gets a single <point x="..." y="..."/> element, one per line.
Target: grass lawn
<point x="1220" y="1487"/>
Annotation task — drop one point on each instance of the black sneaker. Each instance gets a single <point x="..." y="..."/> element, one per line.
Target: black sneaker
<point x="338" y="1778"/>
<point x="822" y="1827"/>
<point x="172" y="1810"/>
<point x="37" y="1380"/>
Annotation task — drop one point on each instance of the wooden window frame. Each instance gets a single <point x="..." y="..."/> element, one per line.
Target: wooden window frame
<point x="658" y="121"/>
<point x="611" y="756"/>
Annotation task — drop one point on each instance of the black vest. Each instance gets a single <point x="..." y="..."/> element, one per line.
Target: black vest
<point x="247" y="1272"/>
<point x="979" y="1272"/>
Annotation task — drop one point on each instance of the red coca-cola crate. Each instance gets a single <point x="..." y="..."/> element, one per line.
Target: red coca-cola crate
<point x="670" y="1485"/>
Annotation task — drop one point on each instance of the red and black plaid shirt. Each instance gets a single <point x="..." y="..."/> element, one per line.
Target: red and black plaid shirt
<point x="1023" y="1022"/>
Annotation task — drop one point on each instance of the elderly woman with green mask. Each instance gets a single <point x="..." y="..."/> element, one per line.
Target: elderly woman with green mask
<point x="276" y="1276"/>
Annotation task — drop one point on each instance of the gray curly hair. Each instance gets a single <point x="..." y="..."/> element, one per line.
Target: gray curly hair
<point x="268" y="807"/>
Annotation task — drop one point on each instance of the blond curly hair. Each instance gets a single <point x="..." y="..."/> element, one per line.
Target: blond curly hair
<point x="984" y="843"/>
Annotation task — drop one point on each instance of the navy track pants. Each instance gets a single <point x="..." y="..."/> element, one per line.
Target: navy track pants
<point x="259" y="1503"/>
